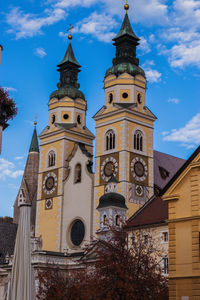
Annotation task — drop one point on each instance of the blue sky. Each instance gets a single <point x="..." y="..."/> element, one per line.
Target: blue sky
<point x="33" y="34"/>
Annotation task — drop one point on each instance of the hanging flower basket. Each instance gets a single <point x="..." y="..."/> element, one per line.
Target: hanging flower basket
<point x="8" y="109"/>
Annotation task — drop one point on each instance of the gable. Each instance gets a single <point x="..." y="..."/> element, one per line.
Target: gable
<point x="183" y="190"/>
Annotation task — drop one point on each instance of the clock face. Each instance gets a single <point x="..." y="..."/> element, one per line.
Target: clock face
<point x="109" y="167"/>
<point x="139" y="190"/>
<point x="139" y="169"/>
<point x="49" y="204"/>
<point x="50" y="183"/>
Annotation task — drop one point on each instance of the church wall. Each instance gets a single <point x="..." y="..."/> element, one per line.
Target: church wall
<point x="48" y="224"/>
<point x="79" y="198"/>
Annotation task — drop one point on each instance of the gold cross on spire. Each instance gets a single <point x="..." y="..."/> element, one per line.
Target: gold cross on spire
<point x="126" y="6"/>
<point x="70" y="32"/>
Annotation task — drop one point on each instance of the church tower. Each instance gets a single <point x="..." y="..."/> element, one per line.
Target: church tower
<point x="65" y="184"/>
<point x="124" y="126"/>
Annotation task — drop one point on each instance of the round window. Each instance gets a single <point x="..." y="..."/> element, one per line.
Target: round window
<point x="66" y="116"/>
<point x="125" y="95"/>
<point x="79" y="119"/>
<point x="110" y="98"/>
<point x="77" y="232"/>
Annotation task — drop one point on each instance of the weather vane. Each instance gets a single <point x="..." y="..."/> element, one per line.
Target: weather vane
<point x="126" y="6"/>
<point x="70" y="31"/>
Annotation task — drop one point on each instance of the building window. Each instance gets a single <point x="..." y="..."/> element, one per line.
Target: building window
<point x="77" y="232"/>
<point x="165" y="265"/>
<point x="110" y="98"/>
<point x="145" y="239"/>
<point x="110" y="140"/>
<point x="117" y="220"/>
<point x="163" y="173"/>
<point x="139" y="98"/>
<point x="133" y="239"/>
<point x="165" y="236"/>
<point x="77" y="173"/>
<point x="53" y="119"/>
<point x="51" y="159"/>
<point x="105" y="220"/>
<point x="138" y="140"/>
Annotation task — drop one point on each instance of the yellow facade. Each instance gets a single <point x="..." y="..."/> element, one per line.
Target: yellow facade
<point x="124" y="122"/>
<point x="61" y="141"/>
<point x="183" y="195"/>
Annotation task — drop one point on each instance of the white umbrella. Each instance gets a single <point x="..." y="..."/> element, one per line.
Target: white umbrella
<point x="22" y="282"/>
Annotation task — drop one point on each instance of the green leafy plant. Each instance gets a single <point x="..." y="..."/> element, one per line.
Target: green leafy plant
<point x="8" y="109"/>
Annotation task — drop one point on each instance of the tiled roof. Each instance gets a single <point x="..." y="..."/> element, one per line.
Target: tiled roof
<point x="166" y="162"/>
<point x="155" y="211"/>
<point x="183" y="167"/>
<point x="8" y="233"/>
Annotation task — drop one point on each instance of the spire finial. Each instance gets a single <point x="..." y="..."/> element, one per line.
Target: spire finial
<point x="70" y="32"/>
<point x="126" y="6"/>
<point x="35" y="122"/>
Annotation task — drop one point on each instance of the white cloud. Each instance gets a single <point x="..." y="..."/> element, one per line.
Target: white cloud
<point x="187" y="13"/>
<point x="185" y="54"/>
<point x="19" y="157"/>
<point x="173" y="100"/>
<point x="7" y="169"/>
<point x="152" y="75"/>
<point x="27" y="25"/>
<point x="10" y="89"/>
<point x="98" y="25"/>
<point x="74" y="3"/>
<point x="144" y="46"/>
<point x="189" y="134"/>
<point x="40" y="52"/>
<point x="147" y="12"/>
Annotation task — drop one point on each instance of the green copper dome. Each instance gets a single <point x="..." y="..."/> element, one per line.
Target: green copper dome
<point x="68" y="85"/>
<point x="129" y="68"/>
<point x="67" y="91"/>
<point x="125" y="59"/>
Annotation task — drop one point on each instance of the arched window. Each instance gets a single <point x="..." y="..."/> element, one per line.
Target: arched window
<point x="138" y="140"/>
<point x="77" y="173"/>
<point x="110" y="140"/>
<point x="105" y="220"/>
<point x="117" y="220"/>
<point x="51" y="159"/>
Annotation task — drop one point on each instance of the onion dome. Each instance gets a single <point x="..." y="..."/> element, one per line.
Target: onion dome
<point x="112" y="199"/>
<point x="69" y="69"/>
<point x="125" y="42"/>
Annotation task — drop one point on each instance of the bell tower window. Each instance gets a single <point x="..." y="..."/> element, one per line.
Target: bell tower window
<point x="139" y="98"/>
<point x="110" y="98"/>
<point x="77" y="173"/>
<point x="110" y="140"/>
<point x="53" y="119"/>
<point x="51" y="159"/>
<point x="138" y="140"/>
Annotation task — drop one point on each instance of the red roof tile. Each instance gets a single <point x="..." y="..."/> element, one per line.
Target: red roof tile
<point x="152" y="212"/>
